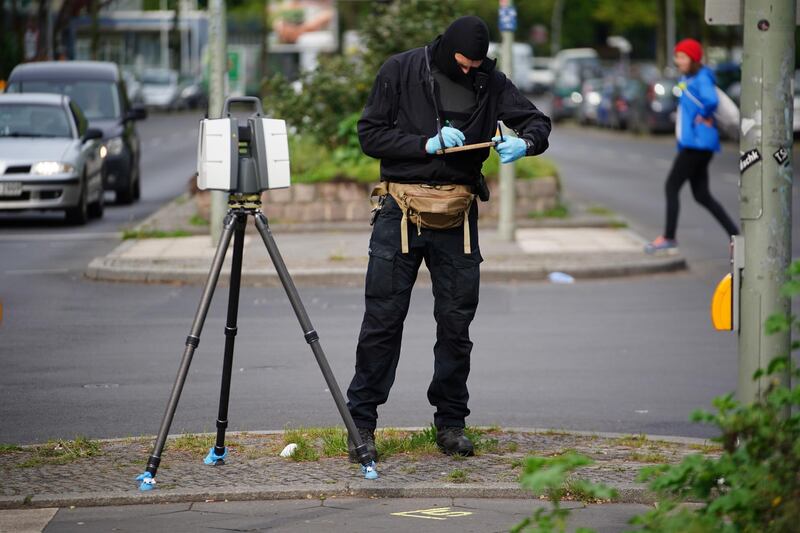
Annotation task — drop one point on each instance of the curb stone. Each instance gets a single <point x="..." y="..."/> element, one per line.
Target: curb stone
<point x="329" y="479"/>
<point x="104" y="269"/>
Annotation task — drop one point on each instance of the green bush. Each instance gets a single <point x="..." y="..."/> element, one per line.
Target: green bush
<point x="552" y="476"/>
<point x="753" y="486"/>
<point x="313" y="162"/>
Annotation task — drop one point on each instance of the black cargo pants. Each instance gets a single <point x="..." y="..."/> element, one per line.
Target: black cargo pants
<point x="391" y="274"/>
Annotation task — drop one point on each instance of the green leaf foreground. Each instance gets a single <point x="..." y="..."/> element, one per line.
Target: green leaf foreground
<point x="753" y="486"/>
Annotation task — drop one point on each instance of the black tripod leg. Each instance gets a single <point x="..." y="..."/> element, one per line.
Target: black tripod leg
<point x="218" y="453"/>
<point x="148" y="478"/>
<point x="313" y="340"/>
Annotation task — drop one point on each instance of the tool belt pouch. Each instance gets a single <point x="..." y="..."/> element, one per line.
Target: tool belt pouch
<point x="430" y="206"/>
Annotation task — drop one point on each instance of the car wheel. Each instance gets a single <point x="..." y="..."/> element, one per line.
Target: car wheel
<point x="97" y="208"/>
<point x="137" y="185"/>
<point x="79" y="214"/>
<point x="128" y="194"/>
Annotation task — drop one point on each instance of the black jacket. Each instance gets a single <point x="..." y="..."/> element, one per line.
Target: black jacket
<point x="399" y="118"/>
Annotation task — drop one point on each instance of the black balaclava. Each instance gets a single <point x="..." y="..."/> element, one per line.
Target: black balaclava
<point x="468" y="36"/>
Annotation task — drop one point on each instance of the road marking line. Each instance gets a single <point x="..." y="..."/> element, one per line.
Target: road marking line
<point x="435" y="513"/>
<point x="59" y="236"/>
<point x="36" y="271"/>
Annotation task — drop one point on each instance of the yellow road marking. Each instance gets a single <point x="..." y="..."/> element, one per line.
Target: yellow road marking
<point x="435" y="513"/>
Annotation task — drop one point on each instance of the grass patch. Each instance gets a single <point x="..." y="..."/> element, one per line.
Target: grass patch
<point x="9" y="448"/>
<point x="576" y="490"/>
<point x="706" y="448"/>
<point x="600" y="210"/>
<point x="458" y="475"/>
<point x="192" y="443"/>
<point x="517" y="463"/>
<point x="337" y="257"/>
<point x="554" y="433"/>
<point x="393" y="442"/>
<point x="59" y="452"/>
<point x="153" y="234"/>
<point x="512" y="447"/>
<point x="618" y="224"/>
<point x="631" y="441"/>
<point x="334" y="442"/>
<point x="304" y="438"/>
<point x="197" y="220"/>
<point x="559" y="211"/>
<point x="648" y="457"/>
<point x="313" y="443"/>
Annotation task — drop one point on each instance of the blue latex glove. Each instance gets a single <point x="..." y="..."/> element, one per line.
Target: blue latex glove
<point x="452" y="137"/>
<point x="511" y="149"/>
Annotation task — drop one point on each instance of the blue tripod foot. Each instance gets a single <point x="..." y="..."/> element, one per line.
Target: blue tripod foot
<point x="212" y="459"/>
<point x="369" y="471"/>
<point x="147" y="481"/>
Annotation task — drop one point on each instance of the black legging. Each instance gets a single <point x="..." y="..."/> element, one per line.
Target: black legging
<point x="693" y="165"/>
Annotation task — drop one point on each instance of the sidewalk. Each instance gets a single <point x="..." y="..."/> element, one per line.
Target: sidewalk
<point x="102" y="473"/>
<point x="337" y="254"/>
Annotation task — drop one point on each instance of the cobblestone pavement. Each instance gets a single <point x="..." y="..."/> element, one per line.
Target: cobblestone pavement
<point x="41" y="475"/>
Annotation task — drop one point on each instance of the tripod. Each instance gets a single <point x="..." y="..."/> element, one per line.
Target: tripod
<point x="241" y="206"/>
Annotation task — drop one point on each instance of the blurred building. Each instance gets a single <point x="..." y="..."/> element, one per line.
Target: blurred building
<point x="131" y="36"/>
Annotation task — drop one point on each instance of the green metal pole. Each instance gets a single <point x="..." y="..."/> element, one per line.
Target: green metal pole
<point x="765" y="183"/>
<point x="506" y="219"/>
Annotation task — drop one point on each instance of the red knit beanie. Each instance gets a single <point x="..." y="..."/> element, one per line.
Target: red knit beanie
<point x="691" y="48"/>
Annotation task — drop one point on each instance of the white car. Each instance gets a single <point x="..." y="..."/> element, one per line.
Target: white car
<point x="160" y="89"/>
<point x="542" y="76"/>
<point x="522" y="63"/>
<point x="49" y="157"/>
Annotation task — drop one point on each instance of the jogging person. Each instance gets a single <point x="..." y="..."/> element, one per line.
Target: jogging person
<point x="440" y="96"/>
<point x="698" y="139"/>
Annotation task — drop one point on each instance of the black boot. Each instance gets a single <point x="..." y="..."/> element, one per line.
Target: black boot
<point x="452" y="441"/>
<point x="368" y="438"/>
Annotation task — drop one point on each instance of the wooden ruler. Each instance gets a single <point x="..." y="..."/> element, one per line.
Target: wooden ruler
<point x="466" y="147"/>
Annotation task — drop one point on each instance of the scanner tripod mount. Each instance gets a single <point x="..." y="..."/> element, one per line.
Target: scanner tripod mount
<point x="240" y="207"/>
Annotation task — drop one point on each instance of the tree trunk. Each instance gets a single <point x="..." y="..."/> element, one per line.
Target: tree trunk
<point x="264" y="59"/>
<point x="19" y="29"/>
<point x="94" y="9"/>
<point x="42" y="22"/>
<point x="661" y="35"/>
<point x="175" y="38"/>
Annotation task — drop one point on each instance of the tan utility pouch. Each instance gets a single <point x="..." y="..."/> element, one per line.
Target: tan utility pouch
<point x="430" y="206"/>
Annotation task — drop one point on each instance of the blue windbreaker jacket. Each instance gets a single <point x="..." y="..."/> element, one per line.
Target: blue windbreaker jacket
<point x="698" y="98"/>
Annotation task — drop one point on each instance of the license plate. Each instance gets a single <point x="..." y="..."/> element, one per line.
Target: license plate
<point x="10" y="188"/>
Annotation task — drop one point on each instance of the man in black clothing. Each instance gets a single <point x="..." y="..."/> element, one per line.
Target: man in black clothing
<point x="443" y="95"/>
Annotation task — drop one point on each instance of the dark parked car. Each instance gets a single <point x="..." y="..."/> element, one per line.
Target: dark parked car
<point x="590" y="101"/>
<point x="656" y="111"/>
<point x="99" y="89"/>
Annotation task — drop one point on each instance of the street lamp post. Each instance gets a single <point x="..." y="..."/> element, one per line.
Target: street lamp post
<point x="765" y="182"/>
<point x="217" y="45"/>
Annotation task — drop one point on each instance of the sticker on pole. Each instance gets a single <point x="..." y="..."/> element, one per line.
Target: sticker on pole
<point x="507" y="18"/>
<point x="749" y="159"/>
<point x="781" y="156"/>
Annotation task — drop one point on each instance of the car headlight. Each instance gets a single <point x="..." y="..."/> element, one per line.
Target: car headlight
<point x="115" y="146"/>
<point x="50" y="168"/>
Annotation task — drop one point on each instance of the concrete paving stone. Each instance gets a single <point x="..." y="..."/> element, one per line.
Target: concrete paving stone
<point x="255" y="471"/>
<point x="25" y="520"/>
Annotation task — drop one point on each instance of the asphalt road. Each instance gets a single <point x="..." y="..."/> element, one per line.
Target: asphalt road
<point x="630" y="355"/>
<point x="405" y="514"/>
